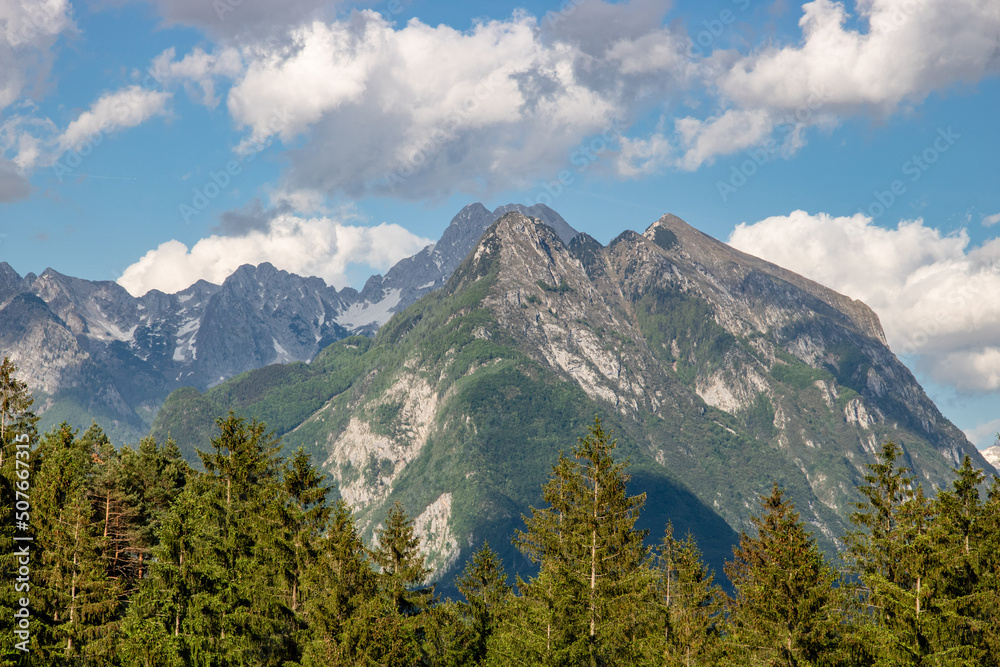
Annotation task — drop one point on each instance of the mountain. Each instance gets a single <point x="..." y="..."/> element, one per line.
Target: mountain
<point x="415" y="276"/>
<point x="719" y="373"/>
<point x="91" y="351"/>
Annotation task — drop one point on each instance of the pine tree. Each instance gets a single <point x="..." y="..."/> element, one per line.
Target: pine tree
<point x="988" y="586"/>
<point x="306" y="519"/>
<point x="151" y="477"/>
<point x="593" y="585"/>
<point x="116" y="515"/>
<point x="787" y="609"/>
<point x="690" y="603"/>
<point x="175" y="616"/>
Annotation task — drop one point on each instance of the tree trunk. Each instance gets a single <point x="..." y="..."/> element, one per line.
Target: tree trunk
<point x="593" y="564"/>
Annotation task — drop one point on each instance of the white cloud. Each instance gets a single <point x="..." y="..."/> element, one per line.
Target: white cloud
<point x="28" y="30"/>
<point x="114" y="111"/>
<point x="909" y="49"/>
<point x="934" y="294"/>
<point x="991" y="220"/>
<point x="423" y="111"/>
<point x="731" y="132"/>
<point x="985" y="434"/>
<point x="198" y="71"/>
<point x="310" y="247"/>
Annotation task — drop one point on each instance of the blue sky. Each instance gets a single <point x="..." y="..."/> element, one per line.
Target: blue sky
<point x="156" y="142"/>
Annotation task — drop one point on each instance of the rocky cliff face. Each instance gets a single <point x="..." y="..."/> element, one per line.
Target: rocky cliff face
<point x="90" y="350"/>
<point x="719" y="373"/>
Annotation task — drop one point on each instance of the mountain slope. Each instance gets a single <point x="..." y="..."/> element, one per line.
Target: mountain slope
<point x="720" y="373"/>
<point x="91" y="351"/>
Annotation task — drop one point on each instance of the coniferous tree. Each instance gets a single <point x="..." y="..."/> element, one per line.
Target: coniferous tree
<point x="988" y="585"/>
<point x="253" y="622"/>
<point x="787" y="609"/>
<point x="306" y="518"/>
<point x="690" y="603"/>
<point x="593" y="587"/>
<point x="76" y="598"/>
<point x="907" y="557"/>
<point x="349" y="621"/>
<point x="402" y="565"/>
<point x="484" y="586"/>
<point x="151" y="476"/>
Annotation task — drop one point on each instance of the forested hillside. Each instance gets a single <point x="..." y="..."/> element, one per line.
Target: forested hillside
<point x="137" y="559"/>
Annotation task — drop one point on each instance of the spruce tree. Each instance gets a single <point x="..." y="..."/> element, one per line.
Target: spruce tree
<point x="248" y="502"/>
<point x="306" y="518"/>
<point x="151" y="476"/>
<point x="401" y="564"/>
<point x="75" y="597"/>
<point x="988" y="586"/>
<point x="909" y="556"/>
<point x="690" y="603"/>
<point x="348" y="620"/>
<point x="484" y="586"/>
<point x="787" y="608"/>
<point x="593" y="587"/>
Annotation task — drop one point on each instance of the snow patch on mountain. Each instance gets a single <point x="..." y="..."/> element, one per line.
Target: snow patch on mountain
<point x="362" y="314"/>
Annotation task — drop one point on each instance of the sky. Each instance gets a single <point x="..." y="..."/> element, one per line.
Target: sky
<point x="158" y="142"/>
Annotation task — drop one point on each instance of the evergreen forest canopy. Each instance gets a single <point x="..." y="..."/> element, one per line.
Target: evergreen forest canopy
<point x="138" y="559"/>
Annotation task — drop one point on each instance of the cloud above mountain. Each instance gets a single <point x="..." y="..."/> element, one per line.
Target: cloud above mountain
<point x="934" y="293"/>
<point x="322" y="247"/>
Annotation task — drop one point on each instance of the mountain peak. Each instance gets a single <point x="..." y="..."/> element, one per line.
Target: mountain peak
<point x="543" y="213"/>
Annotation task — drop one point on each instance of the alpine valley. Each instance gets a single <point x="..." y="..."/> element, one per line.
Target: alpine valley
<point x="719" y="374"/>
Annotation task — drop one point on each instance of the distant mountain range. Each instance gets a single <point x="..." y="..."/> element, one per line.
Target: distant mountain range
<point x="91" y="351"/>
<point x="719" y="373"/>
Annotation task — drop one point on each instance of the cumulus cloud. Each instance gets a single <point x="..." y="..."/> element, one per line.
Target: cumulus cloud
<point x="321" y="247"/>
<point x="934" y="293"/>
<point x="991" y="220"/>
<point x="199" y="72"/>
<point x="903" y="51"/>
<point x="114" y="111"/>
<point x="422" y="111"/>
<point x="28" y="30"/>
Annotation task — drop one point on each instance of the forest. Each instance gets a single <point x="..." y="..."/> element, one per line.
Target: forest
<point x="136" y="558"/>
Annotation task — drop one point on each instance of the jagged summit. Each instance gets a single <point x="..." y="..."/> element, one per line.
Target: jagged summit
<point x="543" y="213"/>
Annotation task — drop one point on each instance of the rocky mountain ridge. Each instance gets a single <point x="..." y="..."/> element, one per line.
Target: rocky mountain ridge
<point x="91" y="351"/>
